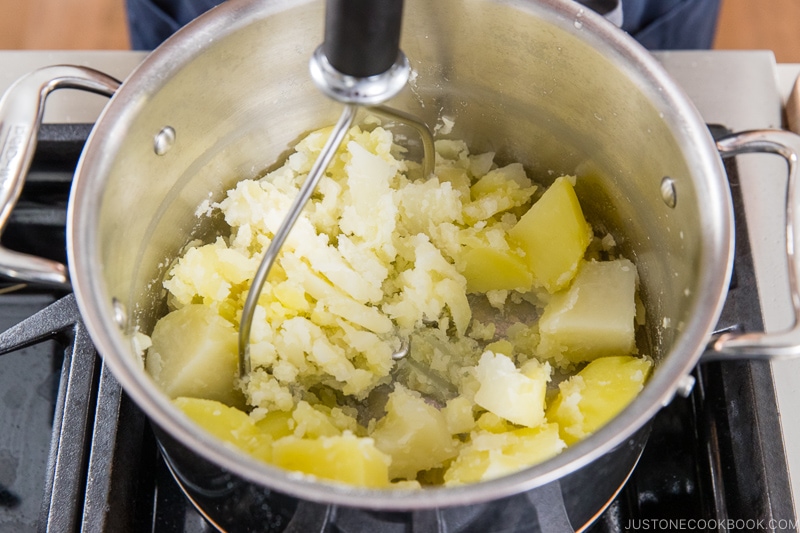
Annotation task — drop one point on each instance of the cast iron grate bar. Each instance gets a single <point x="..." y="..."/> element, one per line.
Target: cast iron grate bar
<point x="116" y="462"/>
<point x="64" y="486"/>
<point x="95" y="454"/>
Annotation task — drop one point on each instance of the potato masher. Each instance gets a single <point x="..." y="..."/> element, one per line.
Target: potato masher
<point x="358" y="64"/>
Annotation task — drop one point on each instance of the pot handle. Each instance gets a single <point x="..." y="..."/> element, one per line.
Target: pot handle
<point x="781" y="344"/>
<point x="21" y="112"/>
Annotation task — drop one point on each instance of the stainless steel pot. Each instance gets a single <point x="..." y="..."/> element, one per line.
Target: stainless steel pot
<point x="547" y="83"/>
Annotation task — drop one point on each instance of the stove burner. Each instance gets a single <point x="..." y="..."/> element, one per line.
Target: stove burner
<point x="77" y="454"/>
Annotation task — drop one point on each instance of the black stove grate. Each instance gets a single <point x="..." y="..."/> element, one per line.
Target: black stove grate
<point x="77" y="455"/>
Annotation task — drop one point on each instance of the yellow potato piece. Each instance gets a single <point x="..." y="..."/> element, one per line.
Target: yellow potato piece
<point x="489" y="269"/>
<point x="344" y="458"/>
<point x="554" y="236"/>
<point x="457" y="177"/>
<point x="195" y="353"/>
<point x="493" y="423"/>
<point x="490" y="455"/>
<point x="499" y="190"/>
<point x="414" y="434"/>
<point x="508" y="393"/>
<point x="503" y="346"/>
<point x="594" y="317"/>
<point x="277" y="424"/>
<point x="229" y="425"/>
<point x="588" y="400"/>
<point x="458" y="414"/>
<point x="311" y="421"/>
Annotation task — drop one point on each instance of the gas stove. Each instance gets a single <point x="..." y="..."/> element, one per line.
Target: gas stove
<point x="77" y="455"/>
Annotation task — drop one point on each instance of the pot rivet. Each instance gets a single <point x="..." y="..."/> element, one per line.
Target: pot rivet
<point x="668" y="193"/>
<point x="685" y="385"/>
<point x="164" y="140"/>
<point x="120" y="315"/>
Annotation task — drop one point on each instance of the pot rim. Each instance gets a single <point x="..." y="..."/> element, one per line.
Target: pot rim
<point x="97" y="306"/>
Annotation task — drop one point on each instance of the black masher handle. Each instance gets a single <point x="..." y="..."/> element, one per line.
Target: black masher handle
<point x="362" y="37"/>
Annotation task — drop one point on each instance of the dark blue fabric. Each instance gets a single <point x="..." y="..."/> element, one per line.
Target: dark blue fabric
<point x="656" y="24"/>
<point x="671" y="24"/>
<point x="150" y="22"/>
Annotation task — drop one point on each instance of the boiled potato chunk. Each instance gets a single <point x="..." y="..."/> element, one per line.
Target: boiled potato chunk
<point x="344" y="458"/>
<point x="277" y="424"/>
<point x="596" y="394"/>
<point x="321" y="421"/>
<point x="458" y="415"/>
<point x="489" y="269"/>
<point x="554" y="236"/>
<point x="195" y="353"/>
<point x="499" y="190"/>
<point x="503" y="346"/>
<point x="594" y="317"/>
<point x="414" y="434"/>
<point x="458" y="178"/>
<point x="505" y="181"/>
<point x="490" y="455"/>
<point x="508" y="393"/>
<point x="492" y="423"/>
<point x="228" y="424"/>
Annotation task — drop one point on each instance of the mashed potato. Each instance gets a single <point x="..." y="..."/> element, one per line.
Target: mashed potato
<point x="383" y="257"/>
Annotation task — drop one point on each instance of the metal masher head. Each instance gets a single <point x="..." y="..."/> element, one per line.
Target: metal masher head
<point x="359" y="64"/>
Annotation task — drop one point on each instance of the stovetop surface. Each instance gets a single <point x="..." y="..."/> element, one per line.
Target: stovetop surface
<point x="680" y="476"/>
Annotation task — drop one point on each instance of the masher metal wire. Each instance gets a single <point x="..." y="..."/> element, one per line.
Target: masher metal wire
<point x="358" y="64"/>
<point x="300" y="201"/>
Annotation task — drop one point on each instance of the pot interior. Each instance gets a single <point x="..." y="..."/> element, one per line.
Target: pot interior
<point x="546" y="84"/>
